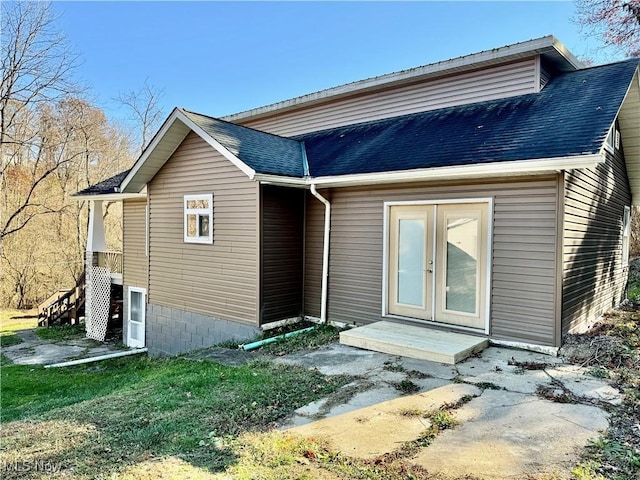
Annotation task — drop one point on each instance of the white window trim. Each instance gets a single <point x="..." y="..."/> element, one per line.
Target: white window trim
<point x="626" y="235"/>
<point x="198" y="211"/>
<point x="612" y="142"/>
<point x="385" y="260"/>
<point x="142" y="291"/>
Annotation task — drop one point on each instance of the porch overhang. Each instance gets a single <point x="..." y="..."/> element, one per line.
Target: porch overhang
<point x="108" y="197"/>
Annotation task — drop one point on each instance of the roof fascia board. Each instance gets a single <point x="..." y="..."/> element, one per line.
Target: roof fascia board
<point x="179" y="115"/>
<point x="108" y="197"/>
<point x="468" y="62"/>
<point x="566" y="54"/>
<point x="246" y="169"/>
<point x="149" y="150"/>
<point x="635" y="83"/>
<point x="281" y="180"/>
<point x="496" y="169"/>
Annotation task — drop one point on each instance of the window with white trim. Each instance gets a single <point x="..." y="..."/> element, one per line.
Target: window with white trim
<point x="626" y="232"/>
<point x="198" y="218"/>
<point x="612" y="142"/>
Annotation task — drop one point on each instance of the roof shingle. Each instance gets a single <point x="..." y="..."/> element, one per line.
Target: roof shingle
<point x="571" y="116"/>
<point x="109" y="185"/>
<point x="264" y="152"/>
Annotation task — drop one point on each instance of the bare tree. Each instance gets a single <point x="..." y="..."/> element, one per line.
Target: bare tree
<point x="616" y="22"/>
<point x="145" y="110"/>
<point x="37" y="64"/>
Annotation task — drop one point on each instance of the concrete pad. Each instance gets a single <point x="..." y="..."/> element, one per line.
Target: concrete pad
<point x="526" y="382"/>
<point x="384" y="427"/>
<point x="328" y="407"/>
<point x="493" y="366"/>
<point x="432" y="369"/>
<point x="579" y="383"/>
<point x="38" y="351"/>
<point x="426" y="384"/>
<point x="45" y="354"/>
<point x="380" y="394"/>
<point x="336" y="359"/>
<point x="505" y="435"/>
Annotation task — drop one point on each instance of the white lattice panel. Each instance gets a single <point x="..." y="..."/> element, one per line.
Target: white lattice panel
<point x="98" y="302"/>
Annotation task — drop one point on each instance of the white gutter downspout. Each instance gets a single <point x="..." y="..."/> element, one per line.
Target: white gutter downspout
<point x="325" y="252"/>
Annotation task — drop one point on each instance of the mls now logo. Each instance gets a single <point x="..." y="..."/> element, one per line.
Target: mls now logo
<point x="31" y="466"/>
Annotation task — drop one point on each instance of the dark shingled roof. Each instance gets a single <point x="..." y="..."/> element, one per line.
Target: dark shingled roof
<point x="570" y="116"/>
<point x="264" y="152"/>
<point x="106" y="186"/>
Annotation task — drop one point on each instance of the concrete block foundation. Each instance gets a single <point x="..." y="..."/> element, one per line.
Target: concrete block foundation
<point x="171" y="331"/>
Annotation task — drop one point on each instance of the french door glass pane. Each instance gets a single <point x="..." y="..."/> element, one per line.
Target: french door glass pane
<point x="462" y="264"/>
<point x="411" y="245"/>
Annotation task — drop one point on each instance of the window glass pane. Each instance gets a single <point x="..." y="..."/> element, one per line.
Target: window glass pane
<point x="411" y="245"/>
<point x="191" y="226"/>
<point x="135" y="331"/>
<point x="201" y="203"/>
<point x="203" y="225"/>
<point x="462" y="264"/>
<point x="136" y="306"/>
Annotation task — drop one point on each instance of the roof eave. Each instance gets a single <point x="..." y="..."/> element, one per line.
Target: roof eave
<point x="166" y="141"/>
<point x="486" y="170"/>
<point x="107" y="197"/>
<point x="629" y="120"/>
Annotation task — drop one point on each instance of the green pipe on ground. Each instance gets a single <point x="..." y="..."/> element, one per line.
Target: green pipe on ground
<point x="259" y="343"/>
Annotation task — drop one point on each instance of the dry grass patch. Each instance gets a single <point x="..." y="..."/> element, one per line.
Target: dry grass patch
<point x="164" y="468"/>
<point x="38" y="449"/>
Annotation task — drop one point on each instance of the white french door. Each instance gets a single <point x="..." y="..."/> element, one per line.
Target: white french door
<point x="136" y="313"/>
<point x="411" y="244"/>
<point x="438" y="262"/>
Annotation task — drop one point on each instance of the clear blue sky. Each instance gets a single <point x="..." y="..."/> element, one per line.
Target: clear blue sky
<point x="220" y="58"/>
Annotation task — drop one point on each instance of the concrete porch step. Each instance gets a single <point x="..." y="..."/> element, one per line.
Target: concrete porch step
<point x="414" y="342"/>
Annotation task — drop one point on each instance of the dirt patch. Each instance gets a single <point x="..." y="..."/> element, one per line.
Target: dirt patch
<point x="612" y="350"/>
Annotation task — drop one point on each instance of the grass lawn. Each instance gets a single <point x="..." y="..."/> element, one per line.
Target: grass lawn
<point x="61" y="332"/>
<point x="320" y="335"/>
<point x="13" y="320"/>
<point x="107" y="418"/>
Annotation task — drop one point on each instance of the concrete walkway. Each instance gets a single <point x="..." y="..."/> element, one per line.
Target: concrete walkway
<point x="516" y="425"/>
<point x="37" y="351"/>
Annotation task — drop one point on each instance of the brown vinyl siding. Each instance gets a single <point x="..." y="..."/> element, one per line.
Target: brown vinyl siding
<point x="134" y="255"/>
<point x="218" y="280"/>
<point x="487" y="84"/>
<point x="282" y="252"/>
<point x="524" y="252"/>
<point x="594" y="278"/>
